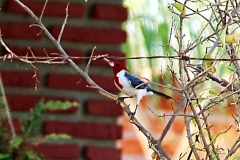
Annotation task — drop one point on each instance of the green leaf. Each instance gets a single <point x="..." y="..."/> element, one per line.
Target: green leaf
<point x="223" y="37"/>
<point x="208" y="63"/>
<point x="53" y="105"/>
<point x="237" y="158"/>
<point x="58" y="136"/>
<point x="31" y="124"/>
<point x="213" y="155"/>
<point x="194" y="122"/>
<point x="33" y="155"/>
<point x="212" y="91"/>
<point x="213" y="136"/>
<point x="4" y="156"/>
<point x="14" y="143"/>
<point x="179" y="7"/>
<point x="194" y="102"/>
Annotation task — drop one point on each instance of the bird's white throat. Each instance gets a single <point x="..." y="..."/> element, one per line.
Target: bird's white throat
<point x="121" y="73"/>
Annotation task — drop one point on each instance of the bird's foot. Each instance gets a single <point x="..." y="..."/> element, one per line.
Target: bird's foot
<point x="120" y="99"/>
<point x="131" y="115"/>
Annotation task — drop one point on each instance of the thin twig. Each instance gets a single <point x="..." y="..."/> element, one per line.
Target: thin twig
<point x="63" y="25"/>
<point x="170" y="122"/>
<point x="89" y="61"/>
<point x="45" y="4"/>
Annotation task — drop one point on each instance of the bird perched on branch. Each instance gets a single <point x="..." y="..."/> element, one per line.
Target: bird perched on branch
<point x="131" y="85"/>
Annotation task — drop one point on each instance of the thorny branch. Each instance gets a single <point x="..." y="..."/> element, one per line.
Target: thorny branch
<point x="202" y="73"/>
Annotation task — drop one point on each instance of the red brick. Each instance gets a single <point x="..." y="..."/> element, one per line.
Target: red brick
<point x="178" y="125"/>
<point x="22" y="102"/>
<point x="84" y="129"/>
<point x="91" y="35"/>
<point x="76" y="82"/>
<point x="19" y="102"/>
<point x="109" y="12"/>
<point x="40" y="52"/>
<point x="55" y="9"/>
<point x="20" y="31"/>
<point x="101" y="62"/>
<point x="100" y="153"/>
<point x="104" y="108"/>
<point x="57" y="151"/>
<point x="19" y="78"/>
<point x="17" y="126"/>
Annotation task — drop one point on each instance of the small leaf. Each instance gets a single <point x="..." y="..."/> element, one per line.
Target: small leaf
<point x="213" y="155"/>
<point x="179" y="7"/>
<point x="212" y="91"/>
<point x="58" y="136"/>
<point x="4" y="156"/>
<point x="53" y="105"/>
<point x="213" y="136"/>
<point x="237" y="158"/>
<point x="194" y="102"/>
<point x="194" y="122"/>
<point x="234" y="38"/>
<point x="208" y="63"/>
<point x="223" y="37"/>
<point x="194" y="143"/>
<point x="14" y="143"/>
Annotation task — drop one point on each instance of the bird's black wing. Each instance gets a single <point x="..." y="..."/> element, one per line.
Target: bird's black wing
<point x="136" y="82"/>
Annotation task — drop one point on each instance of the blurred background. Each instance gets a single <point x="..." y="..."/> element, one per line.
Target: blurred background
<point x="151" y="27"/>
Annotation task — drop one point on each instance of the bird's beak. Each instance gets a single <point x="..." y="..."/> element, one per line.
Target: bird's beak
<point x="111" y="64"/>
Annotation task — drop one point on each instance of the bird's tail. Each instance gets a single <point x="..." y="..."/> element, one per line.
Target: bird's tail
<point x="160" y="93"/>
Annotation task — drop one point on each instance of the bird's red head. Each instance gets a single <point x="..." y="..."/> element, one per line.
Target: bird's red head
<point x="117" y="66"/>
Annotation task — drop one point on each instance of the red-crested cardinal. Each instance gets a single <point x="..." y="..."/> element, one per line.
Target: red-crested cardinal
<point x="131" y="85"/>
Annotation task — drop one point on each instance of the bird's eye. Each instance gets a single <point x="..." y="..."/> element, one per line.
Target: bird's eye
<point x="117" y="64"/>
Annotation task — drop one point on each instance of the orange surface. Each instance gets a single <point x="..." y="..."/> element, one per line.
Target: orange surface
<point x="220" y="121"/>
<point x="131" y="146"/>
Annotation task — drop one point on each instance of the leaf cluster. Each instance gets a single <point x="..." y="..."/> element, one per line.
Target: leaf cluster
<point x="19" y="147"/>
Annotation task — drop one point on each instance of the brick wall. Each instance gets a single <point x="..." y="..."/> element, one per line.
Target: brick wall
<point x="93" y="125"/>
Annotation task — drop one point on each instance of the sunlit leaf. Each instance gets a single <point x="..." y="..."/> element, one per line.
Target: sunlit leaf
<point x="194" y="143"/>
<point x="52" y="105"/>
<point x="223" y="37"/>
<point x="179" y="7"/>
<point x="213" y="155"/>
<point x="234" y="38"/>
<point x="194" y="102"/>
<point x="194" y="122"/>
<point x="212" y="91"/>
<point x="58" y="136"/>
<point x="237" y="158"/>
<point x="208" y="63"/>
<point x="213" y="136"/>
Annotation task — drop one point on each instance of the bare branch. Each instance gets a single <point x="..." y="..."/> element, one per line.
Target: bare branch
<point x="7" y="109"/>
<point x="45" y="4"/>
<point x="89" y="61"/>
<point x="63" y="25"/>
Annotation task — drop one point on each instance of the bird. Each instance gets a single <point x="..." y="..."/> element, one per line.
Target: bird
<point x="131" y="85"/>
